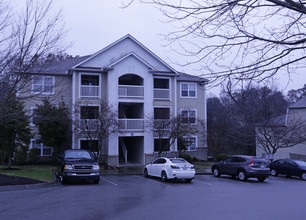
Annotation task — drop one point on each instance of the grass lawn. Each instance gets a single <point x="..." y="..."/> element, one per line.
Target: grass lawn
<point x="37" y="172"/>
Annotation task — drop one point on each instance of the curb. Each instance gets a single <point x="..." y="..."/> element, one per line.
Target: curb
<point x="55" y="182"/>
<point x="29" y="186"/>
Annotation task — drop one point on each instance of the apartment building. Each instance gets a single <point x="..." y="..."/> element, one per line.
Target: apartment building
<point x="134" y="81"/>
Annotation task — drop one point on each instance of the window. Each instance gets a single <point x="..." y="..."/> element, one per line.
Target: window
<point x="159" y="161"/>
<point x="92" y="145"/>
<point x="89" y="117"/>
<point x="34" y="117"/>
<point x="161" y="88"/>
<point x="89" y="112"/>
<point x="42" y="150"/>
<point x="161" y="83"/>
<point x="43" y="84"/>
<point x="161" y="145"/>
<point x="161" y="113"/>
<point x="188" y="116"/>
<point x="190" y="143"/>
<point x="188" y="90"/>
<point x="90" y="85"/>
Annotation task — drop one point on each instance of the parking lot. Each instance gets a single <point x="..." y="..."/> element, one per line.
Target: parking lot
<point x="137" y="197"/>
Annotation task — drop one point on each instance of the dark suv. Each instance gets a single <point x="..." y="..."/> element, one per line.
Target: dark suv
<point x="78" y="165"/>
<point x="242" y="166"/>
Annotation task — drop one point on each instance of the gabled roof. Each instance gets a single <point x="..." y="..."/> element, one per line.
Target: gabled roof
<point x="299" y="104"/>
<point x="190" y="78"/>
<point x="57" y="67"/>
<point x="275" y="121"/>
<point x="128" y="36"/>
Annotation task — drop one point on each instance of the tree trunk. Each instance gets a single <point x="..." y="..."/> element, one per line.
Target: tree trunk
<point x="10" y="161"/>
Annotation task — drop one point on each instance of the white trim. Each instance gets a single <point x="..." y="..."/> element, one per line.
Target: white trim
<point x="196" y="114"/>
<point x="128" y="55"/>
<point x="188" y="97"/>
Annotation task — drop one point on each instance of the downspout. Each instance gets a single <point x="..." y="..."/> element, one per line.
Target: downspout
<point x="72" y="109"/>
<point x="175" y="109"/>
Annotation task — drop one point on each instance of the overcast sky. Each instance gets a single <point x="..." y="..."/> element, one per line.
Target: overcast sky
<point x="94" y="24"/>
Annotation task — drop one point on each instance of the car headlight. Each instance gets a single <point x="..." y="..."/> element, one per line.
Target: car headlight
<point x="192" y="167"/>
<point x="96" y="167"/>
<point x="68" y="167"/>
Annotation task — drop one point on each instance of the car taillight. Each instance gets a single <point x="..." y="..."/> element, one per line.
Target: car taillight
<point x="175" y="167"/>
<point x="251" y="162"/>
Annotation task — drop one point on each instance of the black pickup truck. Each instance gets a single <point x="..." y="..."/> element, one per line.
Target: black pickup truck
<point x="78" y="165"/>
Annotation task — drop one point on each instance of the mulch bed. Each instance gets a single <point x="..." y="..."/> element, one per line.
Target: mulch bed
<point x="14" y="180"/>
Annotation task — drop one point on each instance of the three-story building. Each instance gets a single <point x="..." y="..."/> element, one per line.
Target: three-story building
<point x="138" y="84"/>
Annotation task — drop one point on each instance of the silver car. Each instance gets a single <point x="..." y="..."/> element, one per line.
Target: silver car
<point x="242" y="166"/>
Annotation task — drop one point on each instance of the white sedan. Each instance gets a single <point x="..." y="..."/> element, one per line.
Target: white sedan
<point x="170" y="168"/>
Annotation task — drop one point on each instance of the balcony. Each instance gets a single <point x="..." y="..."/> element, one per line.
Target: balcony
<point x="89" y="91"/>
<point x="161" y="93"/>
<point x="129" y="91"/>
<point x="131" y="124"/>
<point x="89" y="124"/>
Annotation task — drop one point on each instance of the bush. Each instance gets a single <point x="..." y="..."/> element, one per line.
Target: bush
<point x="20" y="156"/>
<point x="34" y="155"/>
<point x="187" y="157"/>
<point x="221" y="157"/>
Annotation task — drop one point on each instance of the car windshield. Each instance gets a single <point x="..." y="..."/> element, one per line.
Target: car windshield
<point x="301" y="163"/>
<point x="78" y="155"/>
<point x="178" y="160"/>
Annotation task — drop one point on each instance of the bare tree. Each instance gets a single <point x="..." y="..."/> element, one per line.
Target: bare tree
<point x="276" y="133"/>
<point x="28" y="34"/>
<point x="170" y="130"/>
<point x="243" y="39"/>
<point x="96" y="123"/>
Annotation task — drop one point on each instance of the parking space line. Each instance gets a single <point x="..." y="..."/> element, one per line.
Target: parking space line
<point x="147" y="179"/>
<point x="115" y="184"/>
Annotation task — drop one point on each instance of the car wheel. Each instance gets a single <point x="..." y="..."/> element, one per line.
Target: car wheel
<point x="63" y="180"/>
<point x="261" y="179"/>
<point x="96" y="181"/>
<point x="274" y="172"/>
<point x="164" y="176"/>
<point x="241" y="175"/>
<point x="145" y="172"/>
<point x="188" y="180"/>
<point x="303" y="176"/>
<point x="216" y="172"/>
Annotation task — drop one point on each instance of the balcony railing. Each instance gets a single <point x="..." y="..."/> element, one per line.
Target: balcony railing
<point x="89" y="91"/>
<point x="161" y="93"/>
<point x="131" y="91"/>
<point x="131" y="124"/>
<point x="89" y="124"/>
